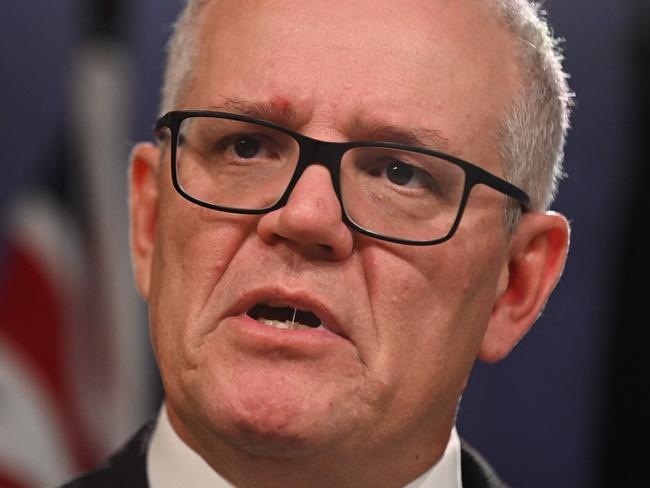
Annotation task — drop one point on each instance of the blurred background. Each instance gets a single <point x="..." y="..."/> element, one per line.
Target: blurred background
<point x="80" y="84"/>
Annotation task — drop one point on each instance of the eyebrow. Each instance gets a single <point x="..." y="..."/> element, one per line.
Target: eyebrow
<point x="282" y="115"/>
<point x="412" y="136"/>
<point x="360" y="128"/>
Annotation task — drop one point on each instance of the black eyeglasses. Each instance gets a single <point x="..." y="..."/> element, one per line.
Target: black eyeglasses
<point x="393" y="192"/>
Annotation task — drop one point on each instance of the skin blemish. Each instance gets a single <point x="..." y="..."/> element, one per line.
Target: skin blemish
<point x="282" y="105"/>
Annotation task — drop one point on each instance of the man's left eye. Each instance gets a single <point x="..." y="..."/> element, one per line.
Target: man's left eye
<point x="403" y="174"/>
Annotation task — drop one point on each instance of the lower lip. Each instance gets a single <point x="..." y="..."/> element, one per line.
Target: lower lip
<point x="261" y="333"/>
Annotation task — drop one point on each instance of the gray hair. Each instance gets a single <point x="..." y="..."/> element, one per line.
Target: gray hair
<point x="533" y="129"/>
<point x="182" y="55"/>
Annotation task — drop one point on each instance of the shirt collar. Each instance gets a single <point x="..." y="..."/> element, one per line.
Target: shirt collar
<point x="171" y="463"/>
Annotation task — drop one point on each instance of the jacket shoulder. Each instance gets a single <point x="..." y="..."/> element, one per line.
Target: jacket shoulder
<point x="127" y="467"/>
<point x="476" y="471"/>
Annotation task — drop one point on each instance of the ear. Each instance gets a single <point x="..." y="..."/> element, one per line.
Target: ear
<point x="143" y="209"/>
<point x="536" y="257"/>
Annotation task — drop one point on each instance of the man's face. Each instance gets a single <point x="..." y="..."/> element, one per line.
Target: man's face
<point x="405" y="323"/>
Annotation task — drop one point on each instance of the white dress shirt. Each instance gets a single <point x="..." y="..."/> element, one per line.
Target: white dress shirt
<point x="172" y="464"/>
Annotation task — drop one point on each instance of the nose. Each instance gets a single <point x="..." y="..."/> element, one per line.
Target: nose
<point x="311" y="218"/>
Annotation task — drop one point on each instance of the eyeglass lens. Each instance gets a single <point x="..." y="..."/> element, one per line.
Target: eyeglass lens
<point x="242" y="165"/>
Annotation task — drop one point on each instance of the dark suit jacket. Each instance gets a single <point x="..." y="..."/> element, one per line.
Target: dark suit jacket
<point x="128" y="467"/>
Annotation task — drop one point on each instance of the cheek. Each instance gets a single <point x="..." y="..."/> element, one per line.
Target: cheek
<point x="410" y="288"/>
<point x="194" y="247"/>
<point x="431" y="307"/>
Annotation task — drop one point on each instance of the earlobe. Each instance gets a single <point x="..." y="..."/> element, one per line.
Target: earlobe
<point x="537" y="253"/>
<point x="143" y="208"/>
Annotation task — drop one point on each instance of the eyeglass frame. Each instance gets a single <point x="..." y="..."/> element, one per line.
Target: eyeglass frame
<point x="329" y="154"/>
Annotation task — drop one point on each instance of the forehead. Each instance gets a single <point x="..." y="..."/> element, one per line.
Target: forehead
<point x="414" y="62"/>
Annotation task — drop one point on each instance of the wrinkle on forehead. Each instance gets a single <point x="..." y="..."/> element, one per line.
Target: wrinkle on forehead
<point x="282" y="111"/>
<point x="329" y="87"/>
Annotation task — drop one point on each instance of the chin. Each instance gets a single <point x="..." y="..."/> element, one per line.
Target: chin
<point x="270" y="415"/>
<point x="268" y="439"/>
<point x="273" y="431"/>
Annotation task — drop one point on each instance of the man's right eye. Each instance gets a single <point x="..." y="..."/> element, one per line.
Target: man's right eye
<point x="247" y="147"/>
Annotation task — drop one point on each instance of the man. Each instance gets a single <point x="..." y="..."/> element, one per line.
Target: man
<point x="316" y="307"/>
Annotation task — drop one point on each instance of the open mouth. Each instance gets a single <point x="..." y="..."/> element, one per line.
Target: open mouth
<point x="281" y="316"/>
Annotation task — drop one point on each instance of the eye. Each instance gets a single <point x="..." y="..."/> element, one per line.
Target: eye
<point x="399" y="173"/>
<point x="402" y="174"/>
<point x="247" y="147"/>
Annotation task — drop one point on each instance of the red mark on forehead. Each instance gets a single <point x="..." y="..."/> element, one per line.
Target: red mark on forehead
<point x="281" y="104"/>
<point x="278" y="109"/>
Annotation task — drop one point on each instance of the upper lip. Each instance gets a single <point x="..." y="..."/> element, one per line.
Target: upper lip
<point x="299" y="299"/>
